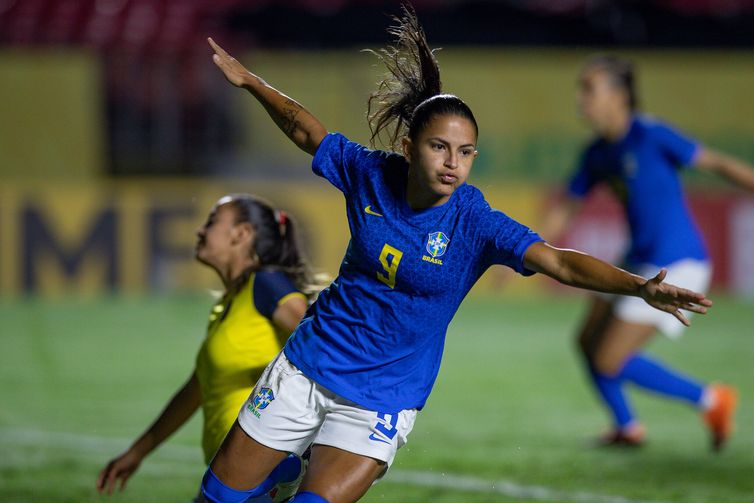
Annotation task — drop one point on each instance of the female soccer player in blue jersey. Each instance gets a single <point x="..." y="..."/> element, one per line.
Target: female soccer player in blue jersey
<point x="254" y="250"/>
<point x="353" y="375"/>
<point x="640" y="159"/>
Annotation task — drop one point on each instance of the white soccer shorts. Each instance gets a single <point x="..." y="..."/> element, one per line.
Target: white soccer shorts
<point x="288" y="411"/>
<point x="687" y="273"/>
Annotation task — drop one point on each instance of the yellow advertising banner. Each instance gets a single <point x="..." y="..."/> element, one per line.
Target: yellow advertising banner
<point x="138" y="236"/>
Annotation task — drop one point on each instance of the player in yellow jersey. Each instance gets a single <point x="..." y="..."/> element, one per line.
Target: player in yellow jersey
<point x="253" y="248"/>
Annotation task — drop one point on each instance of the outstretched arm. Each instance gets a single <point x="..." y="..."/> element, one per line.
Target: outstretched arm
<point x="293" y="119"/>
<point x="732" y="169"/>
<point x="180" y="408"/>
<point x="580" y="270"/>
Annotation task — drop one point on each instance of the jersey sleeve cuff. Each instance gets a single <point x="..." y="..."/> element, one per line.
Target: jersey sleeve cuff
<point x="520" y="251"/>
<point x="290" y="296"/>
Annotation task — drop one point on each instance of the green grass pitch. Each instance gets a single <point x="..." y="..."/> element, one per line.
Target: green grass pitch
<point x="509" y="419"/>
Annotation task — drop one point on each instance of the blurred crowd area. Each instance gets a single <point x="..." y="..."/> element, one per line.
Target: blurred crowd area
<point x="164" y="111"/>
<point x="117" y="133"/>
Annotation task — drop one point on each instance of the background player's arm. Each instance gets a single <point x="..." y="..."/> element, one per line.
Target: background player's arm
<point x="580" y="270"/>
<point x="180" y="408"/>
<point x="288" y="315"/>
<point x="732" y="169"/>
<point x="293" y="119"/>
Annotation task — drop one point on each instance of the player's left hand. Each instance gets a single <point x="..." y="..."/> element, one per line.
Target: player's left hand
<point x="672" y="299"/>
<point x="233" y="70"/>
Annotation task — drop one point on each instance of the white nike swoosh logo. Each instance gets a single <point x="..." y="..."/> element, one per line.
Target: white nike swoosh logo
<point x="369" y="211"/>
<point x="377" y="439"/>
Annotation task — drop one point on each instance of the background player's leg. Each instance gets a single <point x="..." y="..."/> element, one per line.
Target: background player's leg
<point x="617" y="360"/>
<point x="593" y="325"/>
<point x="608" y="388"/>
<point x="617" y="342"/>
<point x="617" y="356"/>
<point x="654" y="376"/>
<point x="613" y="345"/>
<point x="340" y="476"/>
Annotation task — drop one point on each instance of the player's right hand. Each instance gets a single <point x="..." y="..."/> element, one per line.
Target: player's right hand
<point x="672" y="299"/>
<point x="120" y="468"/>
<point x="234" y="71"/>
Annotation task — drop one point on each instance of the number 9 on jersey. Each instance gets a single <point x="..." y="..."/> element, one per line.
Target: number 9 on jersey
<point x="389" y="258"/>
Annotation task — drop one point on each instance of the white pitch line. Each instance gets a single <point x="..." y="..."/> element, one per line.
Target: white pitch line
<point x="89" y="443"/>
<point x="466" y="483"/>
<point x="20" y="437"/>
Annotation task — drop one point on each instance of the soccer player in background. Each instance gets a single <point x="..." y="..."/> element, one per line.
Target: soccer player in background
<point x="354" y="374"/>
<point x="641" y="158"/>
<point x="253" y="248"/>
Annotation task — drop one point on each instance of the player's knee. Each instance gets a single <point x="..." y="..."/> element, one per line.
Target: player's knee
<point x="215" y="491"/>
<point x="308" y="497"/>
<point x="607" y="364"/>
<point x="587" y="344"/>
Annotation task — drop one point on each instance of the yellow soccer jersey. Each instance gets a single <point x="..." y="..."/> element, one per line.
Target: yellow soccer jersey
<point x="241" y="340"/>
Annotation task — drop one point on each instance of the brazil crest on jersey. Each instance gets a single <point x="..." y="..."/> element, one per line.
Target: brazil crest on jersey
<point x="642" y="169"/>
<point x="375" y="335"/>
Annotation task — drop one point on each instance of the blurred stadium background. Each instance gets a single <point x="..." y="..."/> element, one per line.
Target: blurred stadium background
<point x="117" y="134"/>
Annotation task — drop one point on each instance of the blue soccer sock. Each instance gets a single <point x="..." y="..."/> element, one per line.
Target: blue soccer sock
<point x="287" y="471"/>
<point x="611" y="391"/>
<point x="653" y="376"/>
<point x="216" y="491"/>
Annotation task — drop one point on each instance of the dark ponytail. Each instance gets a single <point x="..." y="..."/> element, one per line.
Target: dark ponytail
<point x="621" y="72"/>
<point x="409" y="96"/>
<point x="276" y="243"/>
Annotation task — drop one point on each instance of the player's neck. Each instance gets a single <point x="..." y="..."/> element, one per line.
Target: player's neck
<point x="419" y="197"/>
<point x="234" y="270"/>
<point x="617" y="128"/>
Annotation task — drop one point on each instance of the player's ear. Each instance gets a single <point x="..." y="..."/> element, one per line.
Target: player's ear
<point x="242" y="233"/>
<point x="407" y="144"/>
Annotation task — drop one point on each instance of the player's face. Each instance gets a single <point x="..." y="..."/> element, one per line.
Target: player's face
<point x="219" y="240"/>
<point x="441" y="155"/>
<point x="599" y="99"/>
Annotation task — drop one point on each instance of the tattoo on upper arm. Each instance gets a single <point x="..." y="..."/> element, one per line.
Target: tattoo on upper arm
<point x="293" y="103"/>
<point x="288" y="122"/>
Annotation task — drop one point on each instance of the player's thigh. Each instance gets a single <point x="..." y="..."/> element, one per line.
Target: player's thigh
<point x="242" y="463"/>
<point x="594" y="323"/>
<point x="353" y="447"/>
<point x="376" y="435"/>
<point x="619" y="340"/>
<point x="280" y="416"/>
<point x="340" y="476"/>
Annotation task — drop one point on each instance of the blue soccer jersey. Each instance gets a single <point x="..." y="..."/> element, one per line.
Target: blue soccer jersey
<point x="642" y="169"/>
<point x="375" y="336"/>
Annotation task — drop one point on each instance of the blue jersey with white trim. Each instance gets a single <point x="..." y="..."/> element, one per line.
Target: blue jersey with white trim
<point x="375" y="335"/>
<point x="642" y="169"/>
